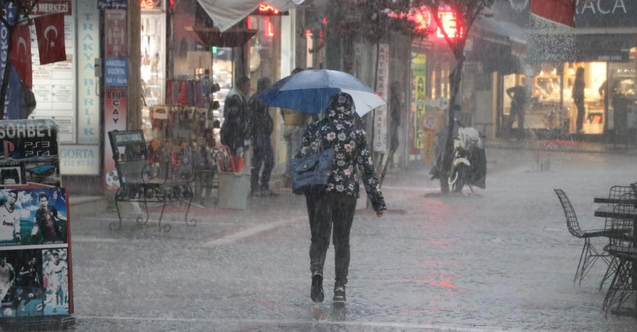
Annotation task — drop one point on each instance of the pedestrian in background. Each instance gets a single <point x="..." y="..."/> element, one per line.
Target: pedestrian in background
<point x="294" y="123"/>
<point x="336" y="204"/>
<point x="236" y="125"/>
<point x="518" y="105"/>
<point x="262" y="151"/>
<point x="578" y="97"/>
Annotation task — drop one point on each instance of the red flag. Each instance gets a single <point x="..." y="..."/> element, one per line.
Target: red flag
<point x="20" y="55"/>
<point x="559" y="11"/>
<point x="50" y="31"/>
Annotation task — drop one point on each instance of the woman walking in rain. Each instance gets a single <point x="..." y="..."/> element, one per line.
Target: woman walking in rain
<point x="336" y="204"/>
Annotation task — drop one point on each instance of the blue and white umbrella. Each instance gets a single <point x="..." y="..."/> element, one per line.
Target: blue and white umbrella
<point x="310" y="90"/>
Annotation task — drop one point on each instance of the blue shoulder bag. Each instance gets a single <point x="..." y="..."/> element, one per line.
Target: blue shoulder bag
<point x="311" y="172"/>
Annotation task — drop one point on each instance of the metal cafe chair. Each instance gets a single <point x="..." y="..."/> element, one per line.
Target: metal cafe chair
<point x="622" y="248"/>
<point x="621" y="195"/>
<point x="589" y="253"/>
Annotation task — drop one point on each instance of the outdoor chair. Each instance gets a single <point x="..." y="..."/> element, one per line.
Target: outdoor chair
<point x="589" y="253"/>
<point x="623" y="249"/>
<point x="623" y="195"/>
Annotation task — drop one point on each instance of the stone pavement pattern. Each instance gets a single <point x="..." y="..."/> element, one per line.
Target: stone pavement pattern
<point x="501" y="260"/>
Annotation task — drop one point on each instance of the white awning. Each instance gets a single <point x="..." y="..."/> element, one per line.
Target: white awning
<point x="226" y="13"/>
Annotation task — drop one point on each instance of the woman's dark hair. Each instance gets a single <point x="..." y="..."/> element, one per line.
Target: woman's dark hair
<point x="580" y="72"/>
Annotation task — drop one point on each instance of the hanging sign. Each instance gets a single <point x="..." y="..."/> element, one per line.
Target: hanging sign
<point x="116" y="72"/>
<point x="382" y="89"/>
<point x="112" y="4"/>
<point x="114" y="119"/>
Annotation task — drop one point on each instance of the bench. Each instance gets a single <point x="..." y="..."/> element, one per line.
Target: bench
<point x="141" y="181"/>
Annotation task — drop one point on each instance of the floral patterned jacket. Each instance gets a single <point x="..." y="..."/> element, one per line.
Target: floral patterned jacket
<point x="337" y="131"/>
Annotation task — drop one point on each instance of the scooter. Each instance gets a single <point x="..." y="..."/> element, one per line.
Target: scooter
<point x="465" y="145"/>
<point x="468" y="166"/>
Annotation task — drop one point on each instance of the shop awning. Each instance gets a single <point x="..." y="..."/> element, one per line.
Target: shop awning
<point x="581" y="47"/>
<point x="499" y="46"/>
<point x="214" y="37"/>
<point x="226" y="13"/>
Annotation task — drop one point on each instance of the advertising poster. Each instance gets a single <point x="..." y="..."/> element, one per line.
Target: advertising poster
<point x="29" y="153"/>
<point x="114" y="119"/>
<point x="34" y="253"/>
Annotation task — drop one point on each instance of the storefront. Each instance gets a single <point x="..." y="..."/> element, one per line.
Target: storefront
<point x="68" y="91"/>
<point x="603" y="45"/>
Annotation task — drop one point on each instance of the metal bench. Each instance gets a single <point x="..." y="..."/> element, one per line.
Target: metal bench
<point x="141" y="182"/>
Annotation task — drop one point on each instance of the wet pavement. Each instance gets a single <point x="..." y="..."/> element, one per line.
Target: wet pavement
<point x="498" y="260"/>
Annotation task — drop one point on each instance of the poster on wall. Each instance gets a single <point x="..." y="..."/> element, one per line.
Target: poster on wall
<point x="29" y="153"/>
<point x="54" y="84"/>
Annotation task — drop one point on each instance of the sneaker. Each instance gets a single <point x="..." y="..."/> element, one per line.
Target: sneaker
<point x="339" y="294"/>
<point x="317" y="294"/>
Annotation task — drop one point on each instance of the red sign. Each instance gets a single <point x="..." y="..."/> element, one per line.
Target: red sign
<point x="559" y="11"/>
<point x="115" y="33"/>
<point x="265" y="9"/>
<point x="424" y="22"/>
<point x="450" y="24"/>
<point x="149" y="4"/>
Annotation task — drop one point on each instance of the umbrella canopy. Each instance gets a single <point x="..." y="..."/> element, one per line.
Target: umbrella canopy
<point x="310" y="90"/>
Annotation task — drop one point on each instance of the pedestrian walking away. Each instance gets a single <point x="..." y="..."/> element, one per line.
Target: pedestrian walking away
<point x="263" y="153"/>
<point x="335" y="205"/>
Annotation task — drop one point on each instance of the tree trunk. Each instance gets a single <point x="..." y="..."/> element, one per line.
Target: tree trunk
<point x="447" y="157"/>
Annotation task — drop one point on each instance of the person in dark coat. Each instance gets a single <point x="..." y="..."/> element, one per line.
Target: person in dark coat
<point x="336" y="204"/>
<point x="263" y="153"/>
<point x="236" y="124"/>
<point x="578" y="97"/>
<point x="518" y="105"/>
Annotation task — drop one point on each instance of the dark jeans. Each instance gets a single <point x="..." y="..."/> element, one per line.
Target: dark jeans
<point x="518" y="113"/>
<point x="581" y="112"/>
<point x="263" y="156"/>
<point x="325" y="209"/>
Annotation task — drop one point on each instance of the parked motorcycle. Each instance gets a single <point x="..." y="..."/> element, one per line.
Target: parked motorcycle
<point x="469" y="163"/>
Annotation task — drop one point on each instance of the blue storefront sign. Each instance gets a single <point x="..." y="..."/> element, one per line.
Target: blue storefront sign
<point x="116" y="72"/>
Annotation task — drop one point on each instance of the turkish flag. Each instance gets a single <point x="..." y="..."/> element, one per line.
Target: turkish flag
<point x="559" y="11"/>
<point x="50" y="31"/>
<point x="20" y="55"/>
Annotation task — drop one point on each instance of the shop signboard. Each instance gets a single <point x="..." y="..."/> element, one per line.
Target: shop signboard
<point x="115" y="33"/>
<point x="116" y="72"/>
<point x="114" y="119"/>
<point x="54" y="84"/>
<point x="419" y="67"/>
<point x="382" y="89"/>
<point x="29" y="153"/>
<point x="112" y="4"/>
<point x="87" y="92"/>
